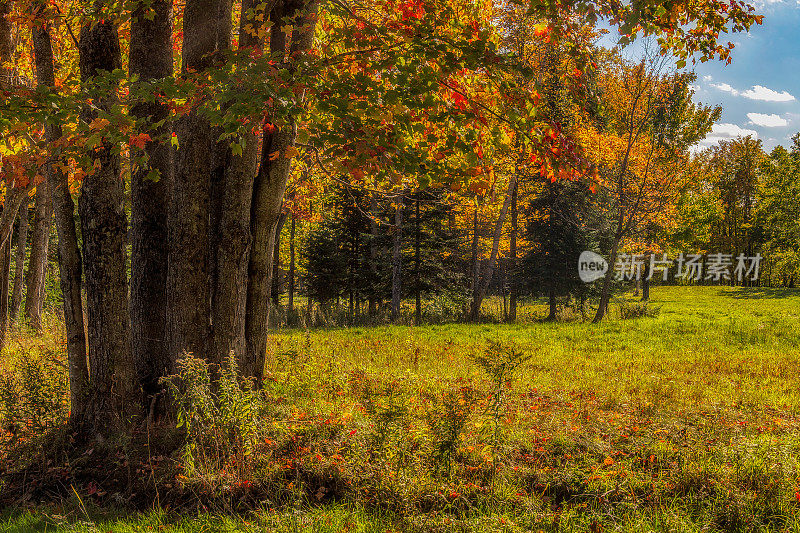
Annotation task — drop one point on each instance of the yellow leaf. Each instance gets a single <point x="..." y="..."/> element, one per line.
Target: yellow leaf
<point x="99" y="124"/>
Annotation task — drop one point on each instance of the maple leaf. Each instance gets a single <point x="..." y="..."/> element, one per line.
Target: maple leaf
<point x="459" y="100"/>
<point x="98" y="124"/>
<point x="139" y="140"/>
<point x="412" y="9"/>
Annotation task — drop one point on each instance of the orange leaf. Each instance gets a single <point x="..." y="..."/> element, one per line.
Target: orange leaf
<point x="139" y="140"/>
<point x="99" y="124"/>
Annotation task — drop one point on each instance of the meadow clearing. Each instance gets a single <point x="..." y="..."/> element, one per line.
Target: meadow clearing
<point x="685" y="421"/>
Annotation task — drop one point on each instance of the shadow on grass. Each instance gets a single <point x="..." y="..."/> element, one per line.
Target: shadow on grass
<point x="758" y="293"/>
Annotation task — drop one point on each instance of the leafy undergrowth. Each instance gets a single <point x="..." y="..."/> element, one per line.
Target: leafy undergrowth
<point x="415" y="431"/>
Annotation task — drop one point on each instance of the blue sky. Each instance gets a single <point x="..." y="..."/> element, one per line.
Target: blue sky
<point x="760" y="90"/>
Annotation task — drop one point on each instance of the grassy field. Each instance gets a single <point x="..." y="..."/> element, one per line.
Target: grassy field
<point x="686" y="421"/>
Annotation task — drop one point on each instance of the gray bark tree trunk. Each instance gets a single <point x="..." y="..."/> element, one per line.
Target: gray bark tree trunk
<point x="188" y="272"/>
<point x="19" y="260"/>
<point x="113" y="385"/>
<point x="276" y="260"/>
<point x="231" y="215"/>
<point x="6" y="56"/>
<point x="5" y="285"/>
<point x="232" y="191"/>
<point x="37" y="262"/>
<point x="291" y="263"/>
<point x="150" y="59"/>
<point x="69" y="255"/>
<point x="268" y="191"/>
<point x="483" y="286"/>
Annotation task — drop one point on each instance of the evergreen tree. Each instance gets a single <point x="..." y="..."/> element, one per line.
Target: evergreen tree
<point x="560" y="222"/>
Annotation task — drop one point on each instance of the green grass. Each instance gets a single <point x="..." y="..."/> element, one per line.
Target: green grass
<point x="686" y="421"/>
<point x="709" y="345"/>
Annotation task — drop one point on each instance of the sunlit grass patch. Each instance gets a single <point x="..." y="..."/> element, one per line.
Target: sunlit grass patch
<point x="686" y="421"/>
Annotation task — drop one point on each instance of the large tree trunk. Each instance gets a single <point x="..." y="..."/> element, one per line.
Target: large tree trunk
<point x="114" y="386"/>
<point x="231" y="215"/>
<point x="225" y="246"/>
<point x="483" y="287"/>
<point x="150" y="59"/>
<point x="37" y="262"/>
<point x="188" y="271"/>
<point x="268" y="191"/>
<point x="19" y="260"/>
<point x="397" y="260"/>
<point x="69" y="255"/>
<point x="231" y="282"/>
<point x="267" y="200"/>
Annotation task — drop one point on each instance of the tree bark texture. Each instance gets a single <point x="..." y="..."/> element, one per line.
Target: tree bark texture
<point x="151" y="59"/>
<point x="37" y="262"/>
<point x="113" y="382"/>
<point x="19" y="260"/>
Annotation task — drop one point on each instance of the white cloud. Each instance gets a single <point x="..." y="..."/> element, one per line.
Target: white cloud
<point x="731" y="131"/>
<point x="759" y="92"/>
<point x="709" y="78"/>
<point x="725" y="88"/>
<point x="726" y="131"/>
<point x="767" y="120"/>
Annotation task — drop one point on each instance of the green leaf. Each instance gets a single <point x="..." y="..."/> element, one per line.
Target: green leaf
<point x="153" y="175"/>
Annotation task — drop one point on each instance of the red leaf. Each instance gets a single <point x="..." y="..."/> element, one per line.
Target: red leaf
<point x="139" y="140"/>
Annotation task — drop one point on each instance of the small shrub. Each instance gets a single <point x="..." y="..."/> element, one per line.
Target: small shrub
<point x="628" y="310"/>
<point x="218" y="417"/>
<point x="34" y="393"/>
<point x="447" y="417"/>
<point x="499" y="362"/>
